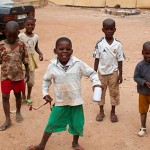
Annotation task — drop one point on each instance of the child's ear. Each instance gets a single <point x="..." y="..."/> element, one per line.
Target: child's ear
<point x="55" y="51"/>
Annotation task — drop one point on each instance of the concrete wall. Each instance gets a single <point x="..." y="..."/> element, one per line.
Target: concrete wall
<point x="102" y="3"/>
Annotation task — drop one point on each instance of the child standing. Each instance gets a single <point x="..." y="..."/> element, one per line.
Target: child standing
<point x="142" y="78"/>
<point x="31" y="41"/>
<point x="108" y="56"/>
<point x="12" y="54"/>
<point x="66" y="72"/>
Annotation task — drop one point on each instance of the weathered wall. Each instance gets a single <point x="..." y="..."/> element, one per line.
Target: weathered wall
<point x="143" y="3"/>
<point x="103" y="3"/>
<point x="123" y="3"/>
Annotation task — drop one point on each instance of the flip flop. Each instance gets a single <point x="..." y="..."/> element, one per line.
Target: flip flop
<point x="113" y="118"/>
<point x="100" y="117"/>
<point x="5" y="126"/>
<point x="76" y="146"/>
<point x="19" y="117"/>
<point x="32" y="147"/>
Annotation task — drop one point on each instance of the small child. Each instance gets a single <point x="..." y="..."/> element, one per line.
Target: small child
<point x="108" y="56"/>
<point x="66" y="72"/>
<point x="31" y="41"/>
<point x="142" y="78"/>
<point x="12" y="54"/>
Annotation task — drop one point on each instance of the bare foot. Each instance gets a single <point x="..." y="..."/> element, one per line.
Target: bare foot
<point x="19" y="117"/>
<point x="36" y="147"/>
<point x="5" y="125"/>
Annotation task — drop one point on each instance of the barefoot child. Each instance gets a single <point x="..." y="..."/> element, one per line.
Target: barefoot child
<point x="12" y="54"/>
<point x="142" y="78"/>
<point x="31" y="41"/>
<point x="66" y="72"/>
<point x="108" y="56"/>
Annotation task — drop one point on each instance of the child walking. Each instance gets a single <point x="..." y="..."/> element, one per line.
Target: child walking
<point x="66" y="72"/>
<point x="31" y="41"/>
<point x="12" y="54"/>
<point x="142" y="78"/>
<point x="108" y="56"/>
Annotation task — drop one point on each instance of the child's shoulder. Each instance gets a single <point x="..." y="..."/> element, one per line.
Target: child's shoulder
<point x="100" y="40"/>
<point x="117" y="41"/>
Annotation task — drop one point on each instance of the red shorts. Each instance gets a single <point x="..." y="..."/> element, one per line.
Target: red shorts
<point x="16" y="86"/>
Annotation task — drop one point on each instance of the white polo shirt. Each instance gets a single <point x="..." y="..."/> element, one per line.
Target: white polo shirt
<point x="108" y="56"/>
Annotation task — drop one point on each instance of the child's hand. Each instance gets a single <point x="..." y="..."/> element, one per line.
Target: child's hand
<point x="147" y="84"/>
<point x="41" y="57"/>
<point x="48" y="98"/>
<point x="27" y="76"/>
<point x="120" y="79"/>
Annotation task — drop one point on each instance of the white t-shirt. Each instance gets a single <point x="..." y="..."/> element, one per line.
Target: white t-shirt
<point x="108" y="56"/>
<point x="30" y="42"/>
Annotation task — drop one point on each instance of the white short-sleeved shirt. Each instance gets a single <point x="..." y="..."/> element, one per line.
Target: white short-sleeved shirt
<point x="108" y="56"/>
<point x="30" y="41"/>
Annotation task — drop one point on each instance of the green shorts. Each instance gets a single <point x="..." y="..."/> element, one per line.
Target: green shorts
<point x="61" y="116"/>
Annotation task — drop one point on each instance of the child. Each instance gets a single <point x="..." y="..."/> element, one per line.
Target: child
<point x="142" y="77"/>
<point x="12" y="54"/>
<point x="108" y="56"/>
<point x="31" y="41"/>
<point x="66" y="72"/>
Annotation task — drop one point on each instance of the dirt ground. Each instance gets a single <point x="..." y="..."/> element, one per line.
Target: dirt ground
<point x="83" y="27"/>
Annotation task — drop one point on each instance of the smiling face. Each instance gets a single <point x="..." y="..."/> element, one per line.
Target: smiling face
<point x="29" y="26"/>
<point x="109" y="28"/>
<point x="146" y="52"/>
<point x="63" y="50"/>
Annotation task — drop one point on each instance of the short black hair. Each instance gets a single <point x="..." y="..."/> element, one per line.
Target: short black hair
<point x="146" y="44"/>
<point x="12" y="25"/>
<point x="30" y="18"/>
<point x="109" y="21"/>
<point x="63" y="39"/>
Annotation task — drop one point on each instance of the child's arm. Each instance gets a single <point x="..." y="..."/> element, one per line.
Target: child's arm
<point x="39" y="52"/>
<point x="96" y="64"/>
<point x="46" y="84"/>
<point x="27" y="72"/>
<point x="138" y="77"/>
<point x="120" y="72"/>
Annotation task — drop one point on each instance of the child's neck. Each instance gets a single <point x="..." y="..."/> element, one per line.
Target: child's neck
<point x="109" y="40"/>
<point x="29" y="34"/>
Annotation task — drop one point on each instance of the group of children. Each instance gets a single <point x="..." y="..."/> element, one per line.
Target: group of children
<point x="66" y="72"/>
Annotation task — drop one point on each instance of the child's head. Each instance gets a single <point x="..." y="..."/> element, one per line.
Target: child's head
<point x="109" y="28"/>
<point x="146" y="51"/>
<point x="29" y="24"/>
<point x="63" y="49"/>
<point x="12" y="31"/>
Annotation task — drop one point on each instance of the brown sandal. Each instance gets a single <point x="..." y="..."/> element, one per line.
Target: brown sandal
<point x="76" y="146"/>
<point x="113" y="118"/>
<point x="100" y="117"/>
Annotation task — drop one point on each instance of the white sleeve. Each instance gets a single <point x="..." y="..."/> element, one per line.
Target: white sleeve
<point x="96" y="51"/>
<point x="89" y="72"/>
<point x="47" y="81"/>
<point x="120" y="55"/>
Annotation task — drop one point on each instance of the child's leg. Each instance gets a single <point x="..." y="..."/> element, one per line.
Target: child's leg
<point x="101" y="114"/>
<point x="143" y="119"/>
<point x="29" y="92"/>
<point x="6" y="107"/>
<point x="19" y="117"/>
<point x="42" y="144"/>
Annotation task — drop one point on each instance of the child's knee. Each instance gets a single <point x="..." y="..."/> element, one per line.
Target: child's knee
<point x="5" y="97"/>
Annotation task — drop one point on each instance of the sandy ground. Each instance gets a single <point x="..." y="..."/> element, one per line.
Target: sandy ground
<point x="83" y="27"/>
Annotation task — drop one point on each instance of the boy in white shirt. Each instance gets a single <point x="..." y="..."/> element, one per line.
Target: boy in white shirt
<point x="108" y="56"/>
<point x="66" y="72"/>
